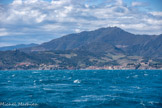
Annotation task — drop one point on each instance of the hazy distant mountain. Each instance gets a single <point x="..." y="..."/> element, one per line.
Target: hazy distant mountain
<point x="17" y="47"/>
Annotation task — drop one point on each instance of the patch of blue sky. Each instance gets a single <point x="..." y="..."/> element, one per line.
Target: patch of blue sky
<point x="6" y="1"/>
<point x="150" y="5"/>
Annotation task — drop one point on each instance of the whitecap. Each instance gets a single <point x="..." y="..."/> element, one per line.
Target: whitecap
<point x="90" y="96"/>
<point x="80" y="100"/>
<point x="34" y="82"/>
<point x="93" y="98"/>
<point x="35" y="72"/>
<point x="145" y="74"/>
<point x="47" y="89"/>
<point x="127" y="77"/>
<point x="136" y="87"/>
<point x="13" y="75"/>
<point x="110" y="96"/>
<point x="76" y="81"/>
<point x="62" y="84"/>
<point x="142" y="103"/>
<point x="135" y="76"/>
<point x="117" y="89"/>
<point x="69" y="78"/>
<point x="151" y="102"/>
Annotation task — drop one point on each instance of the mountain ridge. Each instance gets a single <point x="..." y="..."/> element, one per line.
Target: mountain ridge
<point x="104" y="48"/>
<point x="110" y="36"/>
<point x="19" y="46"/>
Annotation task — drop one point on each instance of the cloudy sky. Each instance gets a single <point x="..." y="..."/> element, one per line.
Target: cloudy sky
<point x="37" y="21"/>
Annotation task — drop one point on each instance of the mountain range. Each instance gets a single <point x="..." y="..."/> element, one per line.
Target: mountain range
<point x="6" y="48"/>
<point x="108" y="48"/>
<point x="106" y="40"/>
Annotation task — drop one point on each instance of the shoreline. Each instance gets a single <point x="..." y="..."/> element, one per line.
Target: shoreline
<point x="88" y="70"/>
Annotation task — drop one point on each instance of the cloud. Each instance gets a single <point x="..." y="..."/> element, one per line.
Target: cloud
<point x="40" y="19"/>
<point x="138" y="4"/>
<point x="119" y="2"/>
<point x="3" y="32"/>
<point x="17" y="2"/>
<point x="77" y="30"/>
<point x="156" y="13"/>
<point x="6" y="44"/>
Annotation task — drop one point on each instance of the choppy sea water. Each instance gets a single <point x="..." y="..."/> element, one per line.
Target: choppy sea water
<point x="81" y="89"/>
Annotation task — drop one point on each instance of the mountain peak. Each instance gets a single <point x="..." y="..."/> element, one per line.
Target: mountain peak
<point x="109" y="28"/>
<point x="114" y="36"/>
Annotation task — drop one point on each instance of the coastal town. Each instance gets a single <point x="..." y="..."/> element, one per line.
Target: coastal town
<point x="125" y="66"/>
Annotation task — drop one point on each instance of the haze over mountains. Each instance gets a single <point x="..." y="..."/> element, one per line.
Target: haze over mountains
<point x="6" y="48"/>
<point x="104" y="48"/>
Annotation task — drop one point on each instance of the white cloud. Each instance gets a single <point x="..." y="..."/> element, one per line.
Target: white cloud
<point x="77" y="30"/>
<point x="33" y="17"/>
<point x="156" y="13"/>
<point x="3" y="32"/>
<point x="119" y="2"/>
<point x="86" y="5"/>
<point x="59" y="2"/>
<point x="17" y="2"/>
<point x="153" y="21"/>
<point x="30" y="1"/>
<point x="137" y="3"/>
<point x="51" y="27"/>
<point x="6" y="44"/>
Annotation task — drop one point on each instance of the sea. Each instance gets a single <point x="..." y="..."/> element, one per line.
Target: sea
<point x="81" y="89"/>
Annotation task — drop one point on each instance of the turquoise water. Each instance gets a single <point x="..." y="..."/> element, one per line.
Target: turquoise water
<point x="81" y="89"/>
